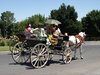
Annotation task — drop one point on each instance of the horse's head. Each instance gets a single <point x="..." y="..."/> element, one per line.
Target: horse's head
<point x="82" y="34"/>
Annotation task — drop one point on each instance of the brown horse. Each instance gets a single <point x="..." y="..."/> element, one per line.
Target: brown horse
<point x="75" y="42"/>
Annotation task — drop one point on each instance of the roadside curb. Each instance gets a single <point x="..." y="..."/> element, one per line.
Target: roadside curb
<point x="92" y="43"/>
<point x="5" y="52"/>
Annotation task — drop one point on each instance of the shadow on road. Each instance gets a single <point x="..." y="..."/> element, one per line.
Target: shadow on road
<point x="29" y="66"/>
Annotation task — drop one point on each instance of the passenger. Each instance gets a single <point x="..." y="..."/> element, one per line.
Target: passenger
<point x="28" y="31"/>
<point x="40" y="31"/>
<point x="29" y="28"/>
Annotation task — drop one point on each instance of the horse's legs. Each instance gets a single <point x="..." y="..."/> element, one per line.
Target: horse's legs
<point x="80" y="50"/>
<point x="75" y="54"/>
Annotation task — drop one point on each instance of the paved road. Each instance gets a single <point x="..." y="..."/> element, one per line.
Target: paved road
<point x="90" y="65"/>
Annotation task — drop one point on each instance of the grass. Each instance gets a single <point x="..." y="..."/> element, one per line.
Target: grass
<point x="4" y="48"/>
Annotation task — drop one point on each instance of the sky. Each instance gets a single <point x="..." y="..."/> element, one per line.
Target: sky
<point x="23" y="9"/>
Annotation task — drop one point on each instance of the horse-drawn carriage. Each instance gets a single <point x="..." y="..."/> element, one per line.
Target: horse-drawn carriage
<point x="38" y="52"/>
<point x="36" y="49"/>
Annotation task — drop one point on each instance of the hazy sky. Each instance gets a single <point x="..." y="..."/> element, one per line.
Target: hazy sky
<point x="23" y="9"/>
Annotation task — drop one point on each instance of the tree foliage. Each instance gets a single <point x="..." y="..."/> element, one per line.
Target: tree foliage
<point x="65" y="14"/>
<point x="91" y="23"/>
<point x="33" y="20"/>
<point x="7" y="22"/>
<point x="68" y="17"/>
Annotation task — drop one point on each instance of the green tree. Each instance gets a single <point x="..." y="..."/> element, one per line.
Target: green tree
<point x="33" y="20"/>
<point x="21" y="25"/>
<point x="0" y="27"/>
<point x="91" y="23"/>
<point x="68" y="17"/>
<point x="8" y="20"/>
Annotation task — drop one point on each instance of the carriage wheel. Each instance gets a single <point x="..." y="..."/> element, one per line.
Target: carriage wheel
<point x="67" y="57"/>
<point x="39" y="55"/>
<point x="20" y="54"/>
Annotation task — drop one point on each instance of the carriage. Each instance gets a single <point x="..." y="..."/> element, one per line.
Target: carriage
<point x="35" y="50"/>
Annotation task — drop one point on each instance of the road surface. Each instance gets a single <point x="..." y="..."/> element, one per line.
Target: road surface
<point x="90" y="65"/>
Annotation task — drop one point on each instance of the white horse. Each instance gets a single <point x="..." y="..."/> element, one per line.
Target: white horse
<point x="75" y="42"/>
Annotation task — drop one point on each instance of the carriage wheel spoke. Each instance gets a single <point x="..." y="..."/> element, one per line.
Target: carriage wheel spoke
<point x="40" y="62"/>
<point x="36" y="60"/>
<point x="43" y="51"/>
<point x="17" y="57"/>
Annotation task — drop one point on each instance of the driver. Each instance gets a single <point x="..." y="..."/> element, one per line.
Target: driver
<point x="53" y="34"/>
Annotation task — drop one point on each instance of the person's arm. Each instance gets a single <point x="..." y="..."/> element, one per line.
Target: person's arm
<point x="35" y="29"/>
<point x="57" y="33"/>
<point x="44" y="33"/>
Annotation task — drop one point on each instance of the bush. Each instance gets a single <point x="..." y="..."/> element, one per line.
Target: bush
<point x="7" y="42"/>
<point x="12" y="42"/>
<point x="2" y="43"/>
<point x="92" y="38"/>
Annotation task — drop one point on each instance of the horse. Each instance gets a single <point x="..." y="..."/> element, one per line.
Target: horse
<point x="75" y="42"/>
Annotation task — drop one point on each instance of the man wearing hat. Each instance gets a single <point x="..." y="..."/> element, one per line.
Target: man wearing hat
<point x="53" y="36"/>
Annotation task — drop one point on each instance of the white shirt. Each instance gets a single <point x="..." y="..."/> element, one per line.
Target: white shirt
<point x="57" y="32"/>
